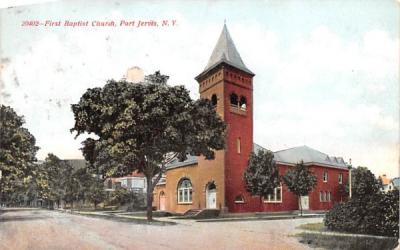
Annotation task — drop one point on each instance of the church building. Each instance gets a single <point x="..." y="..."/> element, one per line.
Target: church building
<point x="197" y="183"/>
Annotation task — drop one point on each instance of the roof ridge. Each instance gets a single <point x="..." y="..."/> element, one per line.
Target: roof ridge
<point x="289" y="148"/>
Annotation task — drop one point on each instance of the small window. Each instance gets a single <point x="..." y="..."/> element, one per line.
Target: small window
<point x="239" y="199"/>
<point x="275" y="197"/>
<point x="234" y="100"/>
<point x="340" y="178"/>
<point x="324" y="196"/>
<point x="243" y="103"/>
<point x="238" y="145"/>
<point x="214" y="100"/>
<point x="325" y="176"/>
<point x="328" y="196"/>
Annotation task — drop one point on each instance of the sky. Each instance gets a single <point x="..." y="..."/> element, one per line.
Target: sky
<point x="326" y="71"/>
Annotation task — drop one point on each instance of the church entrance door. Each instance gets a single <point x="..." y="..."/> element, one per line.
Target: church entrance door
<point x="211" y="196"/>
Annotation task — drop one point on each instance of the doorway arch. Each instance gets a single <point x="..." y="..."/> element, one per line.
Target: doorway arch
<point x="162" y="201"/>
<point x="211" y="195"/>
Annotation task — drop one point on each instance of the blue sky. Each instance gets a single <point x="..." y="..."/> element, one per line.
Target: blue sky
<point x="326" y="71"/>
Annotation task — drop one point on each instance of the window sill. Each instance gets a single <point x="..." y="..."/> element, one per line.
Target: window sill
<point x="238" y="111"/>
<point x="185" y="203"/>
<point x="239" y="202"/>
<point x="272" y="201"/>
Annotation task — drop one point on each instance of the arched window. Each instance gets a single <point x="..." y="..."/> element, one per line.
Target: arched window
<point x="185" y="191"/>
<point x="243" y="103"/>
<point x="214" y="100"/>
<point x="234" y="100"/>
<point x="239" y="199"/>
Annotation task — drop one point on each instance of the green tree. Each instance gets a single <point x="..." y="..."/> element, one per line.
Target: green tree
<point x="144" y="127"/>
<point x="83" y="177"/>
<point x="17" y="151"/>
<point x="69" y="184"/>
<point x="96" y="193"/>
<point x="300" y="181"/>
<point x="261" y="175"/>
<point x="55" y="180"/>
<point x="364" y="182"/>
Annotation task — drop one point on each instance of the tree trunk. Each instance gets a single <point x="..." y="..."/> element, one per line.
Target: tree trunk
<point x="149" y="195"/>
<point x="95" y="205"/>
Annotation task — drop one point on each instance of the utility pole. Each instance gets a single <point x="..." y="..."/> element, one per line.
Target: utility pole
<point x="350" y="167"/>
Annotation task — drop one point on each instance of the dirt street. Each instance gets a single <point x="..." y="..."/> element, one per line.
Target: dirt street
<point x="43" y="229"/>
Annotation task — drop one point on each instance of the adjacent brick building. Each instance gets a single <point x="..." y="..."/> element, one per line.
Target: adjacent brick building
<point x="198" y="183"/>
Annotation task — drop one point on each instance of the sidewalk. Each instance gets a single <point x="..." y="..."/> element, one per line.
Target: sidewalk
<point x="263" y="217"/>
<point x="141" y="218"/>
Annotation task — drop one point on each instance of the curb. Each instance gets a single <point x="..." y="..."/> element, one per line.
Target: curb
<point x="261" y="218"/>
<point x="119" y="218"/>
<point x="331" y="233"/>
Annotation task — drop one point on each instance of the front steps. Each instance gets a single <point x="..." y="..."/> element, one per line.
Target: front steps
<point x="201" y="213"/>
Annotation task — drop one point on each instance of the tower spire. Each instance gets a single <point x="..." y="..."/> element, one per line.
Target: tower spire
<point x="225" y="51"/>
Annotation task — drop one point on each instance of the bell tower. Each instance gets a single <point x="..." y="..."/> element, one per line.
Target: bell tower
<point x="228" y="83"/>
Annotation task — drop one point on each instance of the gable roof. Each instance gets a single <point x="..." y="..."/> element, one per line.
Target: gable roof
<point x="225" y="52"/>
<point x="287" y="156"/>
<point x="385" y="179"/>
<point x="190" y="160"/>
<point x="307" y="155"/>
<point x="396" y="182"/>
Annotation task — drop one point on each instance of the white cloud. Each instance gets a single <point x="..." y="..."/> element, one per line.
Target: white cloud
<point x="329" y="92"/>
<point x="322" y="89"/>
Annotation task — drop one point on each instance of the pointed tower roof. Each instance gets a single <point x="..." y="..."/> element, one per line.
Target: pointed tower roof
<point x="225" y="51"/>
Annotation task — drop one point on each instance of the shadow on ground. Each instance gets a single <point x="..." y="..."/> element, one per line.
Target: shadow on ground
<point x="21" y="218"/>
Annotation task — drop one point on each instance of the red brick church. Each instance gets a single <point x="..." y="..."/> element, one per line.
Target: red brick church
<point x="198" y="183"/>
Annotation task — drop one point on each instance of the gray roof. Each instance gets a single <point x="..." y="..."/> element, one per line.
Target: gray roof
<point x="307" y="155"/>
<point x="396" y="182"/>
<point x="191" y="159"/>
<point x="289" y="156"/>
<point x="225" y="51"/>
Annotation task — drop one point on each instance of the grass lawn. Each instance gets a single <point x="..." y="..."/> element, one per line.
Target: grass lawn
<point x="342" y="241"/>
<point x="313" y="226"/>
<point x="346" y="242"/>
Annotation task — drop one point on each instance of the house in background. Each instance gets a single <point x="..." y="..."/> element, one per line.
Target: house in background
<point x="394" y="184"/>
<point x="135" y="182"/>
<point x="111" y="184"/>
<point x="386" y="183"/>
<point x="218" y="184"/>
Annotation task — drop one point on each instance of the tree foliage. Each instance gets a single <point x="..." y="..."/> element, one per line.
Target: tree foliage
<point x="95" y="193"/>
<point x="144" y="126"/>
<point x="363" y="182"/>
<point x="261" y="175"/>
<point x="300" y="180"/>
<point x="17" y="151"/>
<point x="55" y="175"/>
<point x="376" y="213"/>
<point x="369" y="211"/>
<point x="56" y="180"/>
